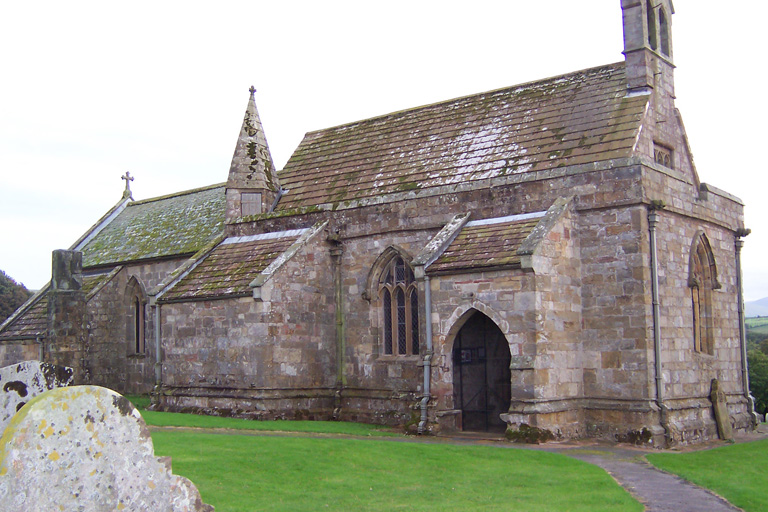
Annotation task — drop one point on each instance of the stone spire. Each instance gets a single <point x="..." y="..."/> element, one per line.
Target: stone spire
<point x="252" y="185"/>
<point x="648" y="44"/>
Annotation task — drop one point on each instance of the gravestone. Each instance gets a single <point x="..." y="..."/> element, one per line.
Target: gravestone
<point x="86" y="448"/>
<point x="20" y="383"/>
<point x="717" y="395"/>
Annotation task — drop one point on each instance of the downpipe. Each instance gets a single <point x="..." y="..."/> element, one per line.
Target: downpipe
<point x="427" y="363"/>
<point x="653" y="220"/>
<point x="742" y="329"/>
<point x="158" y="358"/>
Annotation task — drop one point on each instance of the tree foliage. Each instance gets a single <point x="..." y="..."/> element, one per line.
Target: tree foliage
<point x="757" y="359"/>
<point x="12" y="295"/>
<point x="758" y="379"/>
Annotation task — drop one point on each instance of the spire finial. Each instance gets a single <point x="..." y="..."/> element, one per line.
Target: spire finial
<point x="128" y="179"/>
<point x="252" y="90"/>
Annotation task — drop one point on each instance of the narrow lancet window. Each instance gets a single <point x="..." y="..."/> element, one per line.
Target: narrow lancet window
<point x="135" y="304"/>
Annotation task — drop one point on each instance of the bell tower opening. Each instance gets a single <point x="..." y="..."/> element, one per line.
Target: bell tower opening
<point x="647" y="44"/>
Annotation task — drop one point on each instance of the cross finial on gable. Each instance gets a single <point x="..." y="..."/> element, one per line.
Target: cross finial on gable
<point x="252" y="90"/>
<point x="128" y="179"/>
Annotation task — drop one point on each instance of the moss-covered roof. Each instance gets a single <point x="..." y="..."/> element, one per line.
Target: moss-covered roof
<point x="173" y="225"/>
<point x="572" y="119"/>
<point x="484" y="244"/>
<point x="229" y="269"/>
<point x="33" y="321"/>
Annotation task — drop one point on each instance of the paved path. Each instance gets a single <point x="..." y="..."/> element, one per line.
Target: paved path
<point x="658" y="491"/>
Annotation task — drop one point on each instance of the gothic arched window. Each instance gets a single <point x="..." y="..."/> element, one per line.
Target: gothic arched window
<point x="702" y="280"/>
<point x="399" y="301"/>
<point x="136" y="305"/>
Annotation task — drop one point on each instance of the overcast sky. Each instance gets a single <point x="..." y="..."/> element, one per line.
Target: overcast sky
<point x="90" y="90"/>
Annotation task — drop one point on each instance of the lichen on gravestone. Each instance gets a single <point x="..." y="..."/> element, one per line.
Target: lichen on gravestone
<point x="86" y="448"/>
<point x="21" y="382"/>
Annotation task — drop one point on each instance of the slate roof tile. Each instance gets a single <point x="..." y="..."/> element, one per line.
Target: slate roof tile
<point x="491" y="243"/>
<point x="229" y="268"/>
<point x="577" y="118"/>
<point x="173" y="225"/>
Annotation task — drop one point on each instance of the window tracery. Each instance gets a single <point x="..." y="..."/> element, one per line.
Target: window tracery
<point x="399" y="302"/>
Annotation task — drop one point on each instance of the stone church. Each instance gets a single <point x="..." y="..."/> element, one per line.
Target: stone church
<point x="540" y="255"/>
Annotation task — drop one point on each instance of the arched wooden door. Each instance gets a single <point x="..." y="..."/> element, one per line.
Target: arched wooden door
<point x="481" y="377"/>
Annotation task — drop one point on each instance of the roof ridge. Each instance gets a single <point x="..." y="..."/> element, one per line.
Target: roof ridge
<point x="177" y="194"/>
<point x="458" y="98"/>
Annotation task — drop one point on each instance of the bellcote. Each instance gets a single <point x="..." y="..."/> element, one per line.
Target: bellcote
<point x="252" y="186"/>
<point x="648" y="44"/>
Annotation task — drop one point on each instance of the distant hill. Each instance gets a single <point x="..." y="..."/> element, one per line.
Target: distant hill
<point x="756" y="307"/>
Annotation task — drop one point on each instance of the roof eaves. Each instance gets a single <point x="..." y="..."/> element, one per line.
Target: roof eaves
<point x="201" y="298"/>
<point x="473" y="269"/>
<point x="496" y="181"/>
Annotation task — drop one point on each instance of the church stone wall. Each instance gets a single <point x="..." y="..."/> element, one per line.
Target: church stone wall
<point x="688" y="373"/>
<point x="267" y="358"/>
<point x="379" y="387"/>
<point x="616" y="295"/>
<point x="112" y="361"/>
<point x="559" y="366"/>
<point x="386" y="388"/>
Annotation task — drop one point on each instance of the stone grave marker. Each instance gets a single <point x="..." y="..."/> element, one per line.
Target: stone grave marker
<point x="717" y="395"/>
<point x="20" y="383"/>
<point x="86" y="448"/>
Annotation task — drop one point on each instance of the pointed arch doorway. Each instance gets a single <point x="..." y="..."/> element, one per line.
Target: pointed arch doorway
<point x="481" y="376"/>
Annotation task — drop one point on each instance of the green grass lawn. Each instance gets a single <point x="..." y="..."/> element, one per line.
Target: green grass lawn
<point x="172" y="419"/>
<point x="252" y="473"/>
<point x="739" y="472"/>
